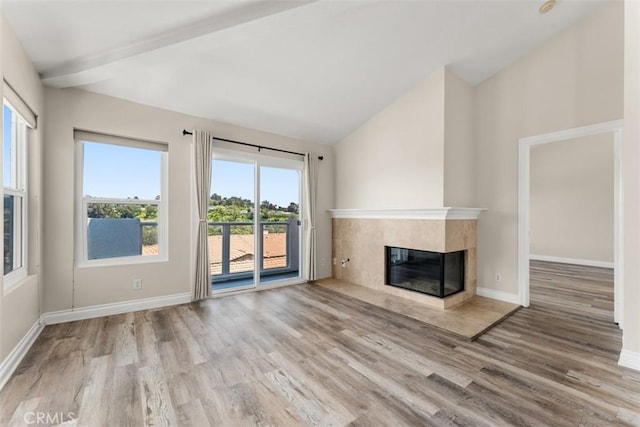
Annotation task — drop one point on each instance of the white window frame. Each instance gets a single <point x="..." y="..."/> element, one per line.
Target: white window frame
<point x="259" y="160"/>
<point x="82" y="203"/>
<point x="19" y="146"/>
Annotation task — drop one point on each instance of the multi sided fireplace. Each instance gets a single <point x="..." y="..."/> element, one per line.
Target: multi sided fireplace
<point x="432" y="273"/>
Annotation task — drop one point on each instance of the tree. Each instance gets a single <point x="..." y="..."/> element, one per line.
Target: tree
<point x="293" y="207"/>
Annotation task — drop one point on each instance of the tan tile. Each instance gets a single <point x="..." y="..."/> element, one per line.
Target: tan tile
<point x="469" y="319"/>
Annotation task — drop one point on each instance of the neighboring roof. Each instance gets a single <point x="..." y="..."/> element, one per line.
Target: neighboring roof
<point x="242" y="251"/>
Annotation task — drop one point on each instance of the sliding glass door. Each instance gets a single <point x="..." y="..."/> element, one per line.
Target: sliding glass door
<point x="279" y="223"/>
<point x="248" y="249"/>
<point x="231" y="224"/>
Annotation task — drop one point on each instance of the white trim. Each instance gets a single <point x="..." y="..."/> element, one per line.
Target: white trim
<point x="629" y="359"/>
<point x="11" y="362"/>
<point x="91" y="312"/>
<point x="561" y="135"/>
<point x="575" y="261"/>
<point x="81" y="202"/>
<point x="17" y="187"/>
<point x="18" y="104"/>
<point x="263" y="287"/>
<point x="446" y="213"/>
<point x="524" y="199"/>
<point x="9" y="365"/>
<point x="123" y="141"/>
<point x="258" y="161"/>
<point x="618" y="231"/>
<point x="498" y="295"/>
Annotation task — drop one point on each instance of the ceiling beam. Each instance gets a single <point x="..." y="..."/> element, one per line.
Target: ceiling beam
<point x="76" y="71"/>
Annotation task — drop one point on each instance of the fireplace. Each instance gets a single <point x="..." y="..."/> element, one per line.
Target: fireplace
<point x="432" y="273"/>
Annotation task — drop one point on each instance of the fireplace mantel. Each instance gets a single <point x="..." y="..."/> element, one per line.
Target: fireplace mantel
<point x="446" y="213"/>
<point x="361" y="235"/>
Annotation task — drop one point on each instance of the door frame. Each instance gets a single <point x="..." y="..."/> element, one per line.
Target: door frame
<point x="259" y="160"/>
<point x="524" y="205"/>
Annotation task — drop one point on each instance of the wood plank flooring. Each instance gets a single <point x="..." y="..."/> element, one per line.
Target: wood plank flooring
<point x="306" y="355"/>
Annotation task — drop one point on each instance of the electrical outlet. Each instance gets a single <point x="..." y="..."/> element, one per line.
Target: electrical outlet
<point x="498" y="277"/>
<point x="137" y="284"/>
<point x="335" y="261"/>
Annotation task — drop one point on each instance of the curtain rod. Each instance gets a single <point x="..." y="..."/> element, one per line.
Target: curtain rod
<point x="259" y="147"/>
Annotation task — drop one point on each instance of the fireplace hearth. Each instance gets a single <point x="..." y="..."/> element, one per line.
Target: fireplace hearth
<point x="432" y="273"/>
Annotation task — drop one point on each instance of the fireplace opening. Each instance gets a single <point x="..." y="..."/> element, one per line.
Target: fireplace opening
<point x="432" y="273"/>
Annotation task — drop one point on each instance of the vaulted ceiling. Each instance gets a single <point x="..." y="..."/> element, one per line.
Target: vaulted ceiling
<point x="313" y="70"/>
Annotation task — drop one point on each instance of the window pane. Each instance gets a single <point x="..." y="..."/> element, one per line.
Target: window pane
<point x="279" y="213"/>
<point x="121" y="230"/>
<point x="215" y="248"/>
<point x="274" y="245"/>
<point x="115" y="171"/>
<point x="241" y="248"/>
<point x="7" y="115"/>
<point x="12" y="233"/>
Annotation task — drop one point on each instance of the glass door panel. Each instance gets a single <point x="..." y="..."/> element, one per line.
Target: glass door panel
<point x="231" y="225"/>
<point x="279" y="223"/>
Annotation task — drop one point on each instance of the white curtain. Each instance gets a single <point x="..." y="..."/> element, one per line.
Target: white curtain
<point x="311" y="195"/>
<point x="203" y="151"/>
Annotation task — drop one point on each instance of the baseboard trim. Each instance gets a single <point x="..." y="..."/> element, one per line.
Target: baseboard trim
<point x="9" y="365"/>
<point x="498" y="295"/>
<point x="575" y="261"/>
<point x="91" y="312"/>
<point x="629" y="359"/>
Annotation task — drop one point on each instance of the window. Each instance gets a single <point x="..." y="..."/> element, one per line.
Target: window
<point x="14" y="177"/>
<point x="121" y="201"/>
<point x="254" y="229"/>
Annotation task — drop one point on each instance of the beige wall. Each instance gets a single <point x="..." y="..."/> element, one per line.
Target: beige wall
<point x="575" y="79"/>
<point x="572" y="199"/>
<point x="459" y="147"/>
<point x="631" y="180"/>
<point x="19" y="308"/>
<point x="416" y="153"/>
<point x="66" y="286"/>
<point x="395" y="160"/>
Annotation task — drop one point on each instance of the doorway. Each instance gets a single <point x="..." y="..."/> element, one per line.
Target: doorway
<point x="524" y="205"/>
<point x="254" y="221"/>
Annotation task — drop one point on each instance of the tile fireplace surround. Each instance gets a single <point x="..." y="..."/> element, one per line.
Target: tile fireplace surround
<point x="361" y="236"/>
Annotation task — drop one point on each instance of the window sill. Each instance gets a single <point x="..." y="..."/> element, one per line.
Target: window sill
<point x="123" y="261"/>
<point x="15" y="280"/>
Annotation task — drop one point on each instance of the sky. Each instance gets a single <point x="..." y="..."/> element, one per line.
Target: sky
<point x="279" y="186"/>
<point x="6" y="130"/>
<point x="121" y="172"/>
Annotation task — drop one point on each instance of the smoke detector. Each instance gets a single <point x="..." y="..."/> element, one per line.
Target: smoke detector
<point x="547" y="6"/>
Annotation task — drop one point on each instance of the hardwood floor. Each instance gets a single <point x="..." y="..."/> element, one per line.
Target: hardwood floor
<point x="305" y="355"/>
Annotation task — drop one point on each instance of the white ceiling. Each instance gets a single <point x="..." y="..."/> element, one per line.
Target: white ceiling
<point x="312" y="70"/>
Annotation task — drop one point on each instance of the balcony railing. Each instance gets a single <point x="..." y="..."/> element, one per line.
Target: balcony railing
<point x="232" y="249"/>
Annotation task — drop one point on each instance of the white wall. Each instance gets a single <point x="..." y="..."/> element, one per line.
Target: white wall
<point x="572" y="199"/>
<point x="631" y="182"/>
<point x="459" y="146"/>
<point x="575" y="79"/>
<point x="416" y="153"/>
<point x="19" y="308"/>
<point x="65" y="286"/>
<point x="396" y="159"/>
